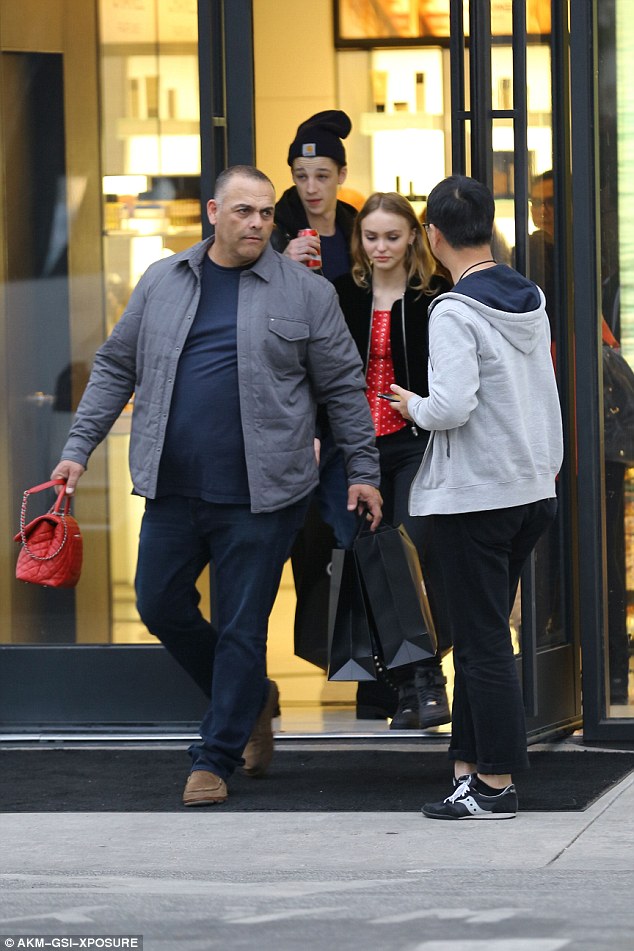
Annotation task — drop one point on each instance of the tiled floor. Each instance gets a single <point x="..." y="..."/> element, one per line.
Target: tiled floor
<point x="340" y="720"/>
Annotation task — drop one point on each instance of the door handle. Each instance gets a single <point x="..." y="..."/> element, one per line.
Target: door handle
<point x="40" y="399"/>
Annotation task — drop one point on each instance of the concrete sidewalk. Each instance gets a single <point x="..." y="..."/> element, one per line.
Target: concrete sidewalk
<point x="325" y="881"/>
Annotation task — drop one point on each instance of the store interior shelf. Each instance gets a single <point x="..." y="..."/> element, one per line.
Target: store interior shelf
<point x="127" y="127"/>
<point x="192" y="231"/>
<point x="372" y="122"/>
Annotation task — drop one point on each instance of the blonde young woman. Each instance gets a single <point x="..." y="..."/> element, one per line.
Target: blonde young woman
<point x="384" y="300"/>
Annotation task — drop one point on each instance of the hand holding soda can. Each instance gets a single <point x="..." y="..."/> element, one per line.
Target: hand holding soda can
<point x="315" y="259"/>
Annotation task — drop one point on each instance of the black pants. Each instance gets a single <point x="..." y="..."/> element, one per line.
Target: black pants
<point x="481" y="556"/>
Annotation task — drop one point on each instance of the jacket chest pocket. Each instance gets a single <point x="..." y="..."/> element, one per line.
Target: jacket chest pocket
<point x="286" y="341"/>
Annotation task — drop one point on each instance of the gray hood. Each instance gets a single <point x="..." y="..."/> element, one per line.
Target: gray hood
<point x="523" y="330"/>
<point x="505" y="298"/>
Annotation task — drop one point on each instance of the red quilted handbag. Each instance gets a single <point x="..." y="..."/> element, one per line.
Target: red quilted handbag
<point x="52" y="547"/>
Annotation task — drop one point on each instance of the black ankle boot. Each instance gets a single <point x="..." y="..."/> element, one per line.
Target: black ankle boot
<point x="433" y="705"/>
<point x="406" y="714"/>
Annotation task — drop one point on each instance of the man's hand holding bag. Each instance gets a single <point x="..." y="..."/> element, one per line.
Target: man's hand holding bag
<point x="52" y="547"/>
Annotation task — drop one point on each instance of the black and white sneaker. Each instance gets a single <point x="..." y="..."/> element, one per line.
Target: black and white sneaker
<point x="467" y="803"/>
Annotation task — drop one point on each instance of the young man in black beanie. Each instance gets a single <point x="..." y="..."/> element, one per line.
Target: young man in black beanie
<point x="317" y="159"/>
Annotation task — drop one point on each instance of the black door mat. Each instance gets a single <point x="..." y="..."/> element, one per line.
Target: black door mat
<point x="116" y="780"/>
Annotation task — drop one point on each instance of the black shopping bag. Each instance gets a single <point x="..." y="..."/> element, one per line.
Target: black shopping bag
<point x="393" y="583"/>
<point x="350" y="643"/>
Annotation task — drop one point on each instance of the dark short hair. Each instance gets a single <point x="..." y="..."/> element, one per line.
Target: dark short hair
<point x="546" y="176"/>
<point x="235" y="171"/>
<point x="463" y="209"/>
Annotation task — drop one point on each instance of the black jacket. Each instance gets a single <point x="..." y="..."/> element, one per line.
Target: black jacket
<point x="408" y="329"/>
<point x="290" y="217"/>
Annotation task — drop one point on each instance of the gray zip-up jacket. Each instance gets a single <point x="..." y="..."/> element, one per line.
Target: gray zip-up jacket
<point x="493" y="407"/>
<point x="294" y="351"/>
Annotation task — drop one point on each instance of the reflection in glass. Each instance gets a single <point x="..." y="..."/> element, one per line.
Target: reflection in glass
<point x="616" y="168"/>
<point x="151" y="195"/>
<point x="402" y="19"/>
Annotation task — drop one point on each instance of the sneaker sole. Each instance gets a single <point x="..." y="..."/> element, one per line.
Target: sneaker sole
<point x="482" y="815"/>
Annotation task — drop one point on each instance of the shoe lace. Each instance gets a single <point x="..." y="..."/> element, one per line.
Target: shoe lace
<point x="461" y="790"/>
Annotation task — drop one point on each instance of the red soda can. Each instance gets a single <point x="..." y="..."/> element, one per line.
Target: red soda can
<point x="314" y="261"/>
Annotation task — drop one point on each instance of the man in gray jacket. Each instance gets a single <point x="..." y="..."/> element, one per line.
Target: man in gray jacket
<point x="487" y="480"/>
<point x="227" y="347"/>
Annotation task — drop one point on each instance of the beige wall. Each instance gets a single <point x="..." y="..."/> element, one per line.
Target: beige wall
<point x="294" y="76"/>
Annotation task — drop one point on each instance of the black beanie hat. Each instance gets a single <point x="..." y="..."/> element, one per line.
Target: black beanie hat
<point x="321" y="135"/>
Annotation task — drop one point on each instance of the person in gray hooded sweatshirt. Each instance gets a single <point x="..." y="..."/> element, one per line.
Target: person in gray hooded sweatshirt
<point x="487" y="481"/>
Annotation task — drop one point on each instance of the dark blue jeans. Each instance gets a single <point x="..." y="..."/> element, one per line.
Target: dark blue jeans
<point x="481" y="556"/>
<point x="179" y="537"/>
<point x="331" y="494"/>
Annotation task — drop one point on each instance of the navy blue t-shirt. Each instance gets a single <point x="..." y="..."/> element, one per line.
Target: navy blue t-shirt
<point x="203" y="455"/>
<point x="335" y="259"/>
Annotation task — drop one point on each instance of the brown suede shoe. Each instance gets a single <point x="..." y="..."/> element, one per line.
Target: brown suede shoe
<point x="258" y="752"/>
<point x="204" y="788"/>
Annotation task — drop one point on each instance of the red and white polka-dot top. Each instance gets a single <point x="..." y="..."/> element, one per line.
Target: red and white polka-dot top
<point x="380" y="374"/>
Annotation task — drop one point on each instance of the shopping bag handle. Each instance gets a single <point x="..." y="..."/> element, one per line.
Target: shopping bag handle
<point x="363" y="525"/>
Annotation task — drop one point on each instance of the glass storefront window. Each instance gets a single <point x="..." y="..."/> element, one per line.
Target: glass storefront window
<point x="151" y="187"/>
<point x="401" y="141"/>
<point x="404" y="111"/>
<point x="616" y="174"/>
<point x="400" y="120"/>
<point x="145" y="153"/>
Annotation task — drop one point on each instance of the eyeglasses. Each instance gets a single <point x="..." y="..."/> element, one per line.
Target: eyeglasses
<point x="542" y="202"/>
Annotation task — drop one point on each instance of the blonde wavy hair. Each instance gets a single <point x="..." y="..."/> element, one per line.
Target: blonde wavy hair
<point x="419" y="261"/>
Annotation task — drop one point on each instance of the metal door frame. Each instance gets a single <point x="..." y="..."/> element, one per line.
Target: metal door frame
<point x="587" y="256"/>
<point x="550" y="676"/>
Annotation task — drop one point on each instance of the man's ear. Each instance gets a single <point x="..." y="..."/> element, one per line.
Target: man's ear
<point x="212" y="210"/>
<point x="343" y="174"/>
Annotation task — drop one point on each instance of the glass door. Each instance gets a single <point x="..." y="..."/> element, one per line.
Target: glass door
<point x="615" y="45"/>
<point x="100" y="173"/>
<point x="86" y="208"/>
<point x="509" y="97"/>
<point x="150" y="159"/>
<point x="602" y="41"/>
